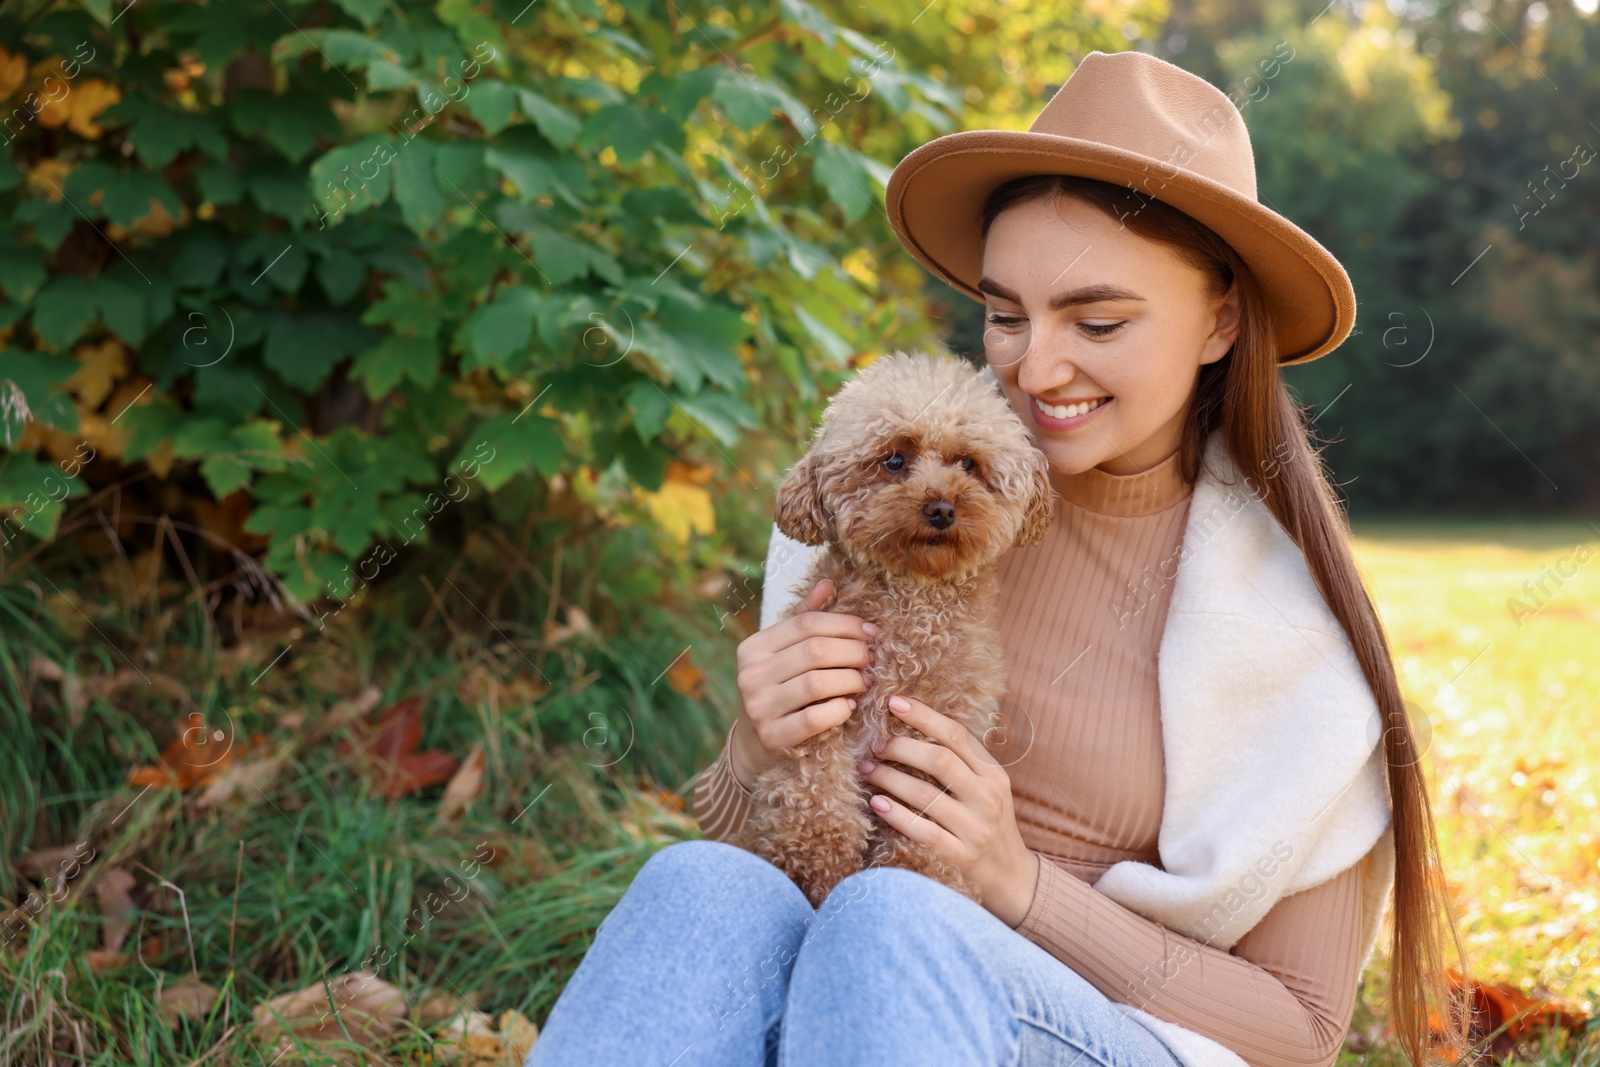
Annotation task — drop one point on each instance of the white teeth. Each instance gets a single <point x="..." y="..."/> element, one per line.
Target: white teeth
<point x="1069" y="411"/>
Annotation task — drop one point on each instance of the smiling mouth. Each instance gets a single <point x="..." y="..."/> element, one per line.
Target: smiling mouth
<point x="1065" y="416"/>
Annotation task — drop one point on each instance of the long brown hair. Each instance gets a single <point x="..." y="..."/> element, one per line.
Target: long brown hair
<point x="1266" y="431"/>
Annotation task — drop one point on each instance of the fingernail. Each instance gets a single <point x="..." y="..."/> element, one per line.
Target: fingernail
<point x="852" y="702"/>
<point x="877" y="747"/>
<point x="865" y="766"/>
<point x="870" y="629"/>
<point x="899" y="703"/>
<point x="880" y="803"/>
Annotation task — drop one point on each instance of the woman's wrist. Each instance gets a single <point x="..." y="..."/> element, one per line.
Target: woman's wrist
<point x="744" y="764"/>
<point x="1012" y="899"/>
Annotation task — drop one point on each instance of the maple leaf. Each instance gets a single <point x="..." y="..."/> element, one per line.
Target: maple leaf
<point x="1503" y="1005"/>
<point x="386" y="751"/>
<point x="682" y="505"/>
<point x="199" y="754"/>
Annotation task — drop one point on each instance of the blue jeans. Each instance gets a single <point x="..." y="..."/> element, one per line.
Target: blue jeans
<point x="714" y="958"/>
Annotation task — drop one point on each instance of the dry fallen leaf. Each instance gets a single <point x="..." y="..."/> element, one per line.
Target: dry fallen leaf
<point x="103" y="960"/>
<point x="464" y="787"/>
<point x="684" y="677"/>
<point x="242" y="778"/>
<point x="479" y="685"/>
<point x="520" y="1034"/>
<point x="367" y="1007"/>
<point x="386" y="752"/>
<point x="200" y="753"/>
<point x="1503" y="1005"/>
<point x="187" y="998"/>
<point x="116" y="906"/>
<point x="441" y="1006"/>
<point x="474" y="1039"/>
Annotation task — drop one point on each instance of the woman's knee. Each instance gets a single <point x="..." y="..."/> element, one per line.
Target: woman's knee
<point x="713" y="870"/>
<point x="873" y="904"/>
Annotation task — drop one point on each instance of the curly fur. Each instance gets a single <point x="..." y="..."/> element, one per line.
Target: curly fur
<point x="933" y="592"/>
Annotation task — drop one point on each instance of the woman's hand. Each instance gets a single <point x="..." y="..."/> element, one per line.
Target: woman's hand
<point x="797" y="678"/>
<point x="971" y="824"/>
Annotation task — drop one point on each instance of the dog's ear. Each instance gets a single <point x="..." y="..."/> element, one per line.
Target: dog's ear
<point x="1040" y="510"/>
<point x="801" y="512"/>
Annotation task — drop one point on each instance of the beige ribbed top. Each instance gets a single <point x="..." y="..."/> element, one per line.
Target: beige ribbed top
<point x="1081" y="617"/>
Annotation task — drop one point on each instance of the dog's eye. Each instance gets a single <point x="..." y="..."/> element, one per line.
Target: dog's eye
<point x="967" y="463"/>
<point x="895" y="463"/>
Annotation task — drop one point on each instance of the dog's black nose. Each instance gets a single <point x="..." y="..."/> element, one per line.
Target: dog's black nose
<point x="940" y="513"/>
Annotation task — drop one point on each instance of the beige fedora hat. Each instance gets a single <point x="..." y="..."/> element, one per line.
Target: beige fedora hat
<point x="1139" y="121"/>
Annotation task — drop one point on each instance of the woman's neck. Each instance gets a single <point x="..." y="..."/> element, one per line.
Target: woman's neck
<point x="1143" y="492"/>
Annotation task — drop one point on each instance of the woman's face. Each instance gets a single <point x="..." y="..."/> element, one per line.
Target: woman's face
<point x="1080" y="310"/>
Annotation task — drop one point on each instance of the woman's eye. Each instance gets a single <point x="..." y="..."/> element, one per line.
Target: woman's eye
<point x="966" y="463"/>
<point x="1102" y="331"/>
<point x="1004" y="321"/>
<point x="895" y="463"/>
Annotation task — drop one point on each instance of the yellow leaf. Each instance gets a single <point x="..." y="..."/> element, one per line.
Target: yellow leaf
<point x="79" y="108"/>
<point x="157" y="222"/>
<point x="13" y="72"/>
<point x="48" y="176"/>
<point x="100" y="367"/>
<point x="160" y="458"/>
<point x="682" y="505"/>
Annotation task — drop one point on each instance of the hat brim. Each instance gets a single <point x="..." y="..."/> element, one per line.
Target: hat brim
<point x="934" y="201"/>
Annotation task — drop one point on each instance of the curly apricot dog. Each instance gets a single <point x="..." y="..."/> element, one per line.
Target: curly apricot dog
<point x="920" y="476"/>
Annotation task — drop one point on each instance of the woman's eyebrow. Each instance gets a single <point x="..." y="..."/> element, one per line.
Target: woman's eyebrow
<point x="1086" y="294"/>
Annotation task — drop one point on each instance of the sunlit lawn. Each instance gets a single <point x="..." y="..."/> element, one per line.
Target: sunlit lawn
<point x="1501" y="677"/>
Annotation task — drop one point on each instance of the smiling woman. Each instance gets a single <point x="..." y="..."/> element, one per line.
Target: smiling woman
<point x="1217" y="793"/>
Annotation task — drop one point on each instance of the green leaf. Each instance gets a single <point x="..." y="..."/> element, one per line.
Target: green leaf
<point x="292" y="122"/>
<point x="127" y="195"/>
<point x="303" y="348"/>
<point x="39" y="378"/>
<point x="51" y="220"/>
<point x="123" y="309"/>
<point x="279" y="191"/>
<point x="255" y="446"/>
<point x="32" y="495"/>
<point x="840" y="171"/>
<point x="22" y="271"/>
<point x="220" y="183"/>
<point x="341" y="274"/>
<point x="749" y="102"/>
<point x="492" y="103"/>
<point x="517" y="442"/>
<point x="531" y="175"/>
<point x="396" y="358"/>
<point x="159" y="134"/>
<point x="649" y="408"/>
<point x="200" y="258"/>
<point x="501" y="329"/>
<point x="64" y="309"/>
<point x="229" y="390"/>
<point x="631" y="131"/>
<point x="680" y="95"/>
<point x="416" y="189"/>
<point x="354" y="177"/>
<point x="368" y="11"/>
<point x="405" y="310"/>
<point x="721" y="414"/>
<point x="836" y="348"/>
<point x="558" y="125"/>
<point x="383" y="75"/>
